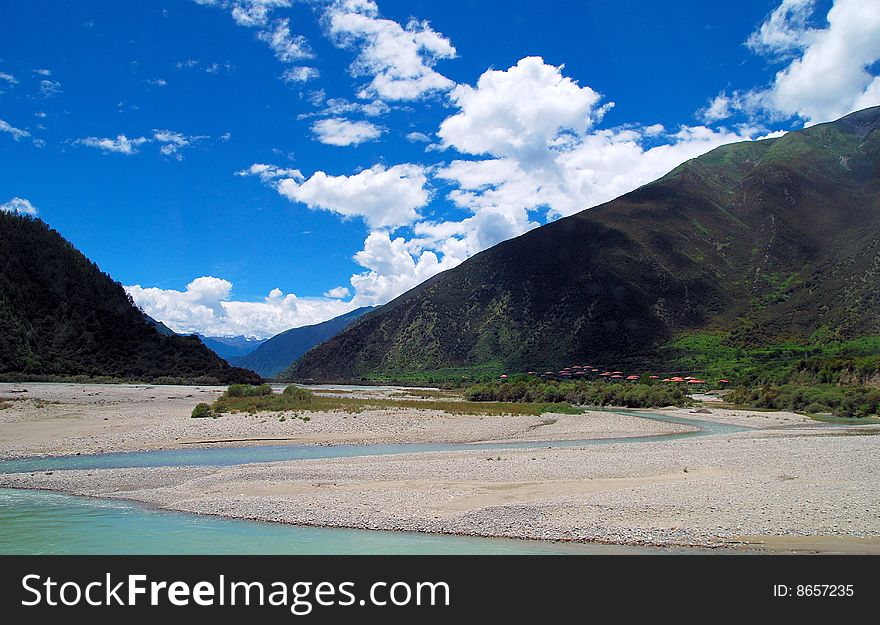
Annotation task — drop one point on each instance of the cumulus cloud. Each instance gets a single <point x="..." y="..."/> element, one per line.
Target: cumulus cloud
<point x="342" y="132"/>
<point x="399" y="60"/>
<point x="830" y="71"/>
<point x="393" y="267"/>
<point x="538" y="127"/>
<point x="518" y="112"/>
<point x="120" y="145"/>
<point x="19" y="205"/>
<point x="338" y="292"/>
<point x="12" y="80"/>
<point x="206" y="306"/>
<point x="383" y="197"/>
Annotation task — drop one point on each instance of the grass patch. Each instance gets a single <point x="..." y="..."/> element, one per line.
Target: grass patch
<point x="827" y="418"/>
<point x="299" y="399"/>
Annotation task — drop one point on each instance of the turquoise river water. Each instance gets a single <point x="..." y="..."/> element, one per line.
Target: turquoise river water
<point x="41" y="522"/>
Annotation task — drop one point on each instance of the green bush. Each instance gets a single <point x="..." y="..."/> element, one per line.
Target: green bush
<point x="581" y="393"/>
<point x="246" y="390"/>
<point x="298" y="393"/>
<point x="843" y="401"/>
<point x="202" y="411"/>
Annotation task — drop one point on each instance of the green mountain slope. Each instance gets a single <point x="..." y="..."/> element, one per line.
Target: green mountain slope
<point x="279" y="352"/>
<point x="759" y="241"/>
<point x="61" y="316"/>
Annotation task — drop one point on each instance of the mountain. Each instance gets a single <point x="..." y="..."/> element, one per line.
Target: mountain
<point x="226" y="347"/>
<point x="161" y="328"/>
<point x="60" y="315"/>
<point x="229" y="347"/>
<point x="754" y="242"/>
<point x="277" y="353"/>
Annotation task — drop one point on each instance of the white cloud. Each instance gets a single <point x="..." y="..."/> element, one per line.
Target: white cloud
<point x="828" y="73"/>
<point x="19" y="205"/>
<point x="120" y="145"/>
<point x="269" y="174"/>
<point x="252" y="13"/>
<point x="335" y="107"/>
<point x="383" y="197"/>
<point x="158" y="82"/>
<point x="288" y="48"/>
<point x="718" y="109"/>
<point x="392" y="268"/>
<point x="170" y="143"/>
<point x="518" y="112"/>
<point x="49" y="88"/>
<point x="12" y="80"/>
<point x="537" y="125"/>
<point x="338" y="292"/>
<point x="400" y="60"/>
<point x="342" y="132"/>
<point x="17" y="133"/>
<point x="43" y="72"/>
<point x="785" y="30"/>
<point x="418" y="137"/>
<point x="300" y="74"/>
<point x="205" y="306"/>
<point x="173" y="142"/>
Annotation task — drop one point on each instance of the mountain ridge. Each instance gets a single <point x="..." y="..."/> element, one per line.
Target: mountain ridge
<point x="738" y="241"/>
<point x="278" y="353"/>
<point x="61" y="316"/>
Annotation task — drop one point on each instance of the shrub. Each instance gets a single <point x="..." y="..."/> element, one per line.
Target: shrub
<point x="579" y="393"/>
<point x="246" y="390"/>
<point x="202" y="411"/>
<point x="843" y="401"/>
<point x="298" y="393"/>
<point x="816" y="408"/>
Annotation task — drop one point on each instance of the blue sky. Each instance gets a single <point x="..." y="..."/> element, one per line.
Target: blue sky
<point x="245" y="166"/>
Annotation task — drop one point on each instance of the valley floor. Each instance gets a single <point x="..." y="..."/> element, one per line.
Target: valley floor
<point x="785" y="484"/>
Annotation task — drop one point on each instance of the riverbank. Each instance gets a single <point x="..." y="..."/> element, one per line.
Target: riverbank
<point x="787" y="483"/>
<point x="64" y="419"/>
